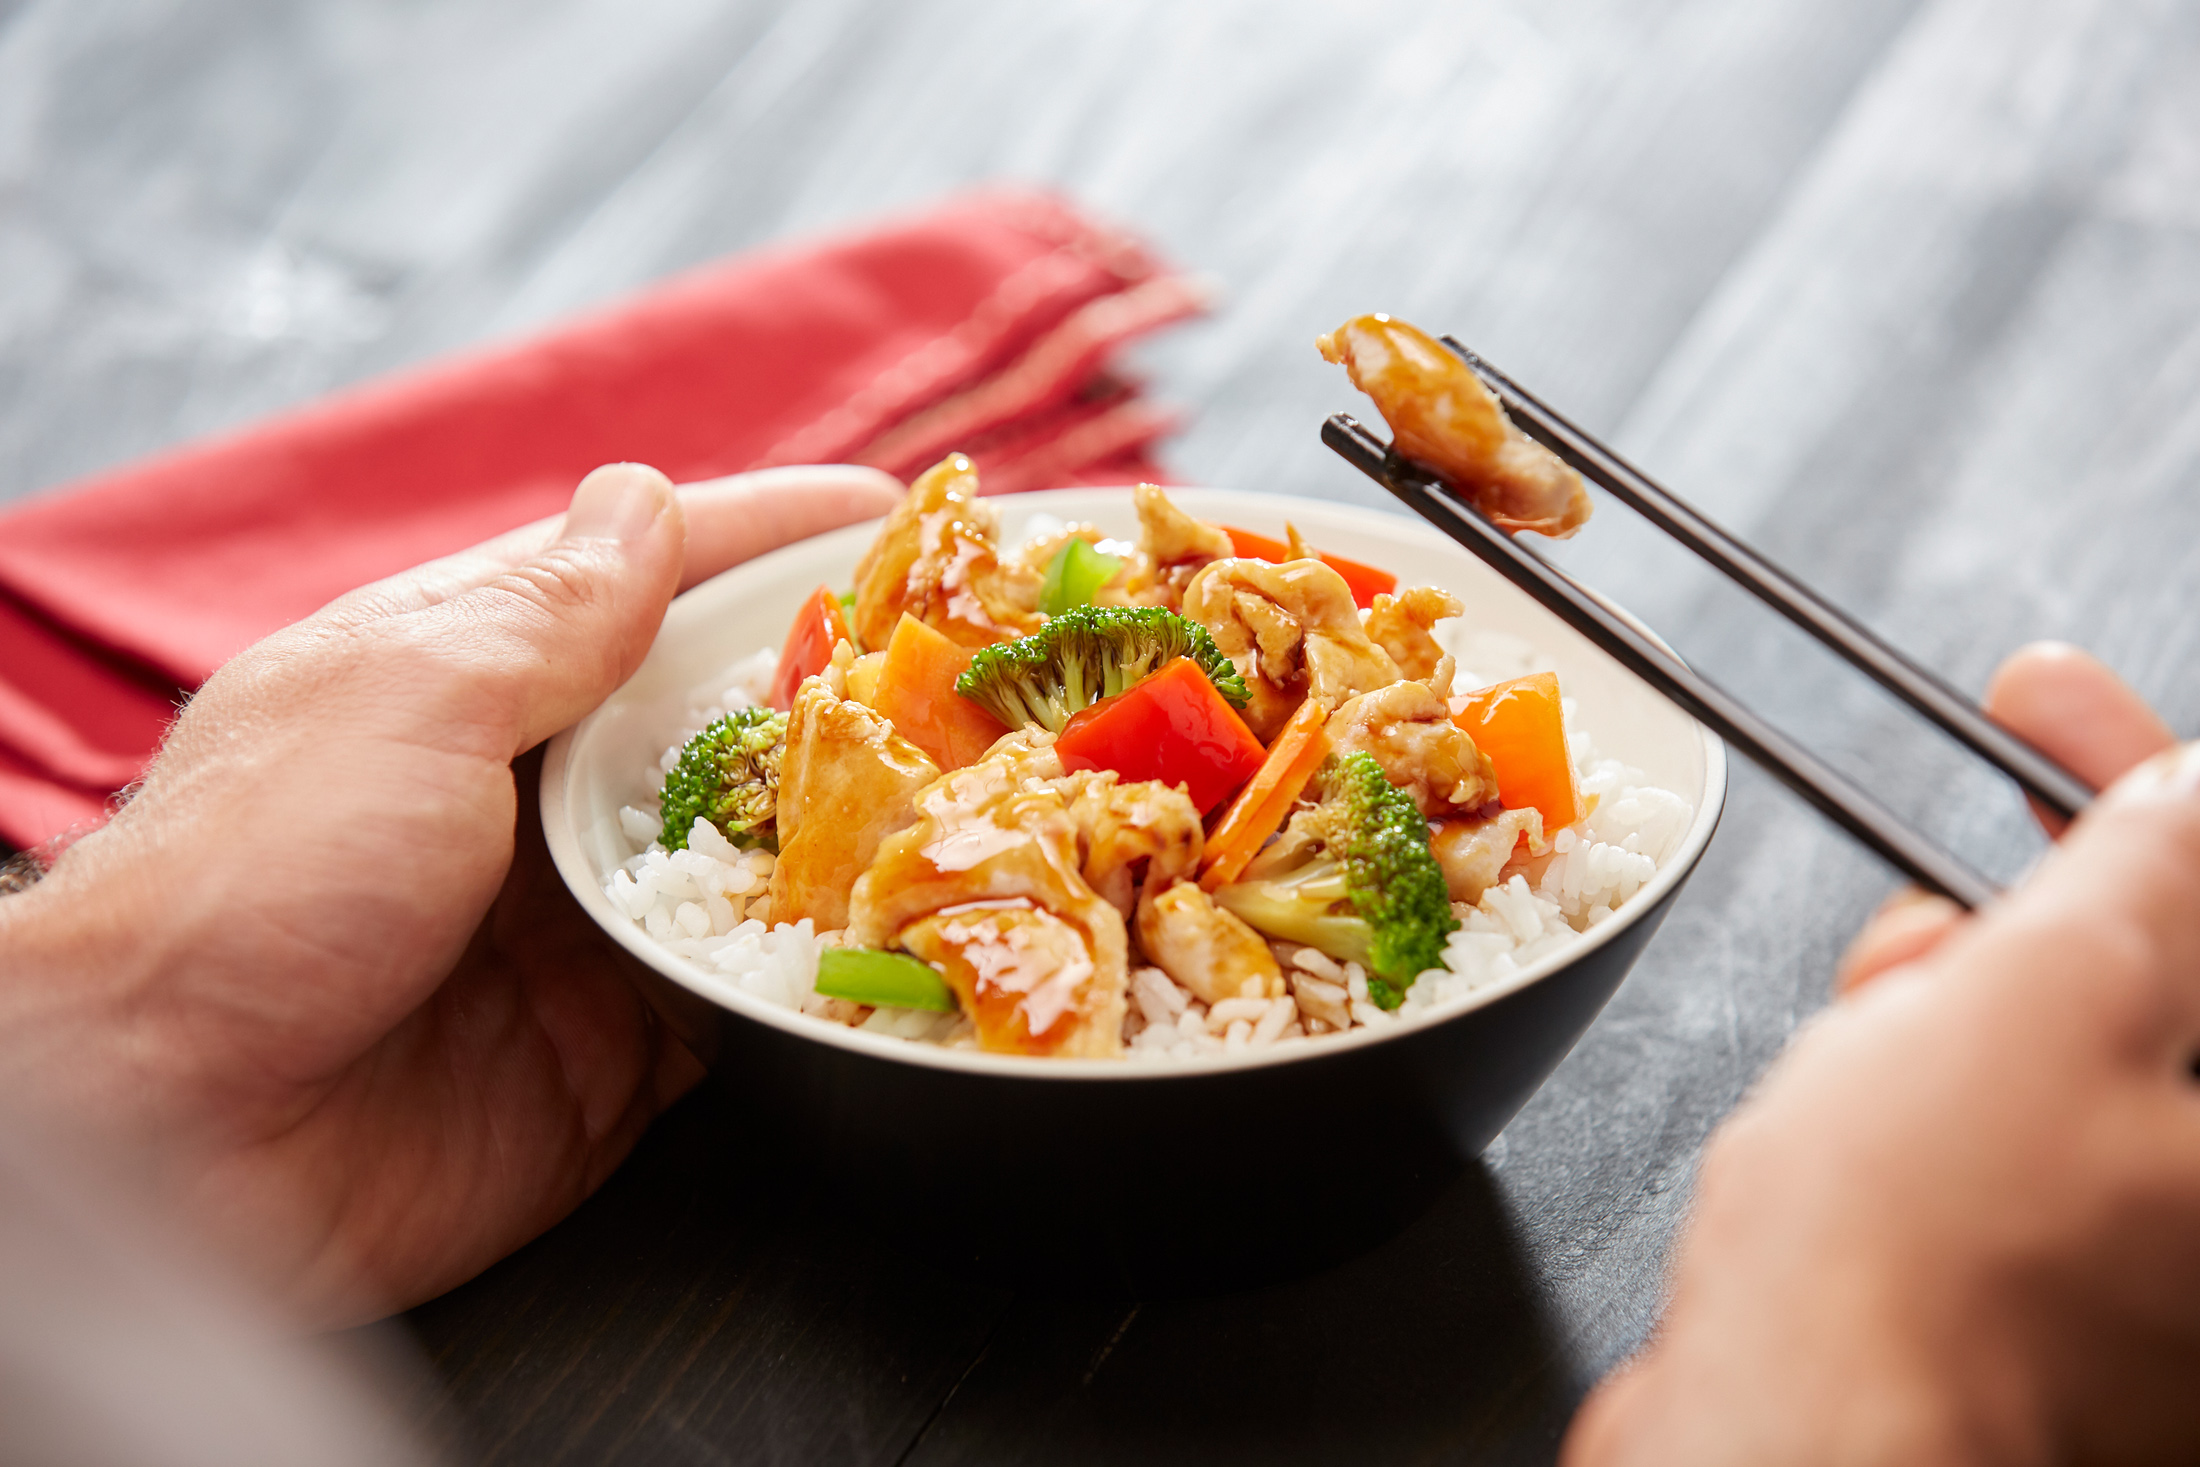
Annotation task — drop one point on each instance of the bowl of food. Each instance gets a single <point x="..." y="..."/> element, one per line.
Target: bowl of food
<point x="1169" y="885"/>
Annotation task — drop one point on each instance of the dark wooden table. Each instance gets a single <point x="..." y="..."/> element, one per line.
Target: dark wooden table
<point x="1907" y="291"/>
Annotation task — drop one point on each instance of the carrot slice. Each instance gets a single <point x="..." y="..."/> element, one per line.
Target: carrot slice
<point x="1267" y="798"/>
<point x="916" y="692"/>
<point x="1365" y="580"/>
<point x="818" y="628"/>
<point x="1520" y="725"/>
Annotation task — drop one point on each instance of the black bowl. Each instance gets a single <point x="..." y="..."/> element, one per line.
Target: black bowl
<point x="1118" y="1176"/>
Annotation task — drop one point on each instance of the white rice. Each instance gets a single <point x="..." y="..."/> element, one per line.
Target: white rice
<point x="706" y="905"/>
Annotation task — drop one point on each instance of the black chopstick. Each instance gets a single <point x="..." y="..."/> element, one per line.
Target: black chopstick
<point x="1833" y="794"/>
<point x="2039" y="776"/>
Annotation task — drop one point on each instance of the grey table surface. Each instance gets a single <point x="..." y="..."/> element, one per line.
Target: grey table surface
<point x="1906" y="291"/>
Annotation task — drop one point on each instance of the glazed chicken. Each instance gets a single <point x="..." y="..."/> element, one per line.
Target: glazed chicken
<point x="989" y="886"/>
<point x="1211" y="952"/>
<point x="1032" y="982"/>
<point x="1441" y="416"/>
<point x="938" y="558"/>
<point x="845" y="784"/>
<point x="1473" y="852"/>
<point x="1292" y="631"/>
<point x="1407" y="727"/>
<point x="1173" y="547"/>
<point x="1121" y="826"/>
<point x="1400" y="624"/>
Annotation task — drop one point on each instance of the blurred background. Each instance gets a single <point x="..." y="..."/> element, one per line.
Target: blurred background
<point x="1905" y="291"/>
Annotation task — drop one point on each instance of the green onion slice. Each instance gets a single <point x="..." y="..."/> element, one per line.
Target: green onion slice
<point x="1075" y="576"/>
<point x="883" y="980"/>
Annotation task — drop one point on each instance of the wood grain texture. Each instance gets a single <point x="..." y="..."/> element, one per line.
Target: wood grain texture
<point x="705" y="1306"/>
<point x="1907" y="291"/>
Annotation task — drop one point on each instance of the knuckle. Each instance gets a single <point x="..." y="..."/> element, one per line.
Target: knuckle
<point x="559" y="584"/>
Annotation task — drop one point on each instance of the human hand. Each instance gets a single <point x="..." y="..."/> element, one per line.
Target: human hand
<point x="1959" y="1221"/>
<point x="321" y="967"/>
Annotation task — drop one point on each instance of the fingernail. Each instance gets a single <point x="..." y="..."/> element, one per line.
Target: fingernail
<point x="2172" y="774"/>
<point x="617" y="502"/>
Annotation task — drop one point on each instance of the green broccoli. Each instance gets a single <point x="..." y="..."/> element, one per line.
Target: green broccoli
<point x="1084" y="655"/>
<point x="729" y="775"/>
<point x="1354" y="877"/>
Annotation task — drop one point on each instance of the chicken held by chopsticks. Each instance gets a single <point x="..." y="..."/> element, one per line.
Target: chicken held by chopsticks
<point x="1442" y="417"/>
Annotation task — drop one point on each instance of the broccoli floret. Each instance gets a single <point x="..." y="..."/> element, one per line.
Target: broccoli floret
<point x="1084" y="655"/>
<point x="729" y="775"/>
<point x="1354" y="877"/>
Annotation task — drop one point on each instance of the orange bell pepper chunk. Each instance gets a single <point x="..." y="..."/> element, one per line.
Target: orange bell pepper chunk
<point x="1520" y="726"/>
<point x="1365" y="580"/>
<point x="1256" y="547"/>
<point x="916" y="693"/>
<point x="1261" y="807"/>
<point x="818" y="628"/>
<point x="1173" y="727"/>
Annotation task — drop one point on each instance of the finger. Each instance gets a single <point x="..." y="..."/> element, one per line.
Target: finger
<point x="1908" y="925"/>
<point x="2077" y="712"/>
<point x="439" y="580"/>
<point x="1610" y="1421"/>
<point x="730" y="520"/>
<point x="739" y="518"/>
<point x="538" y="645"/>
<point x="2105" y="923"/>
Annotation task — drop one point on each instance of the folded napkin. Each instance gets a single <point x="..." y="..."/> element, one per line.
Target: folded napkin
<point x="985" y="325"/>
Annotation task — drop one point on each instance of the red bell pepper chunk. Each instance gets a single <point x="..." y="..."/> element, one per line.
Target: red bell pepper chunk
<point x="818" y="628"/>
<point x="1365" y="580"/>
<point x="1173" y="727"/>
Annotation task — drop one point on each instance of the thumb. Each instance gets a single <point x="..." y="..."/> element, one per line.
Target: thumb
<point x="546" y="641"/>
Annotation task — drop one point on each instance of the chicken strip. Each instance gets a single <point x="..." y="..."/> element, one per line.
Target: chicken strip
<point x="989" y="884"/>
<point x="1474" y="851"/>
<point x="1172" y="548"/>
<point x="1028" y="979"/>
<point x="1441" y="416"/>
<point x="845" y="784"/>
<point x="1292" y="631"/>
<point x="1401" y="626"/>
<point x="937" y="557"/>
<point x="1122" y="826"/>
<point x="1407" y="727"/>
<point x="1210" y="951"/>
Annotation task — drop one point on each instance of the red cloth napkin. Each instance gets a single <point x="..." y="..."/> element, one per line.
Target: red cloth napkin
<point x="985" y="325"/>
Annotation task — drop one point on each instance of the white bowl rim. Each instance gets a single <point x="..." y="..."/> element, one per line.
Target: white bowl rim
<point x="563" y="837"/>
